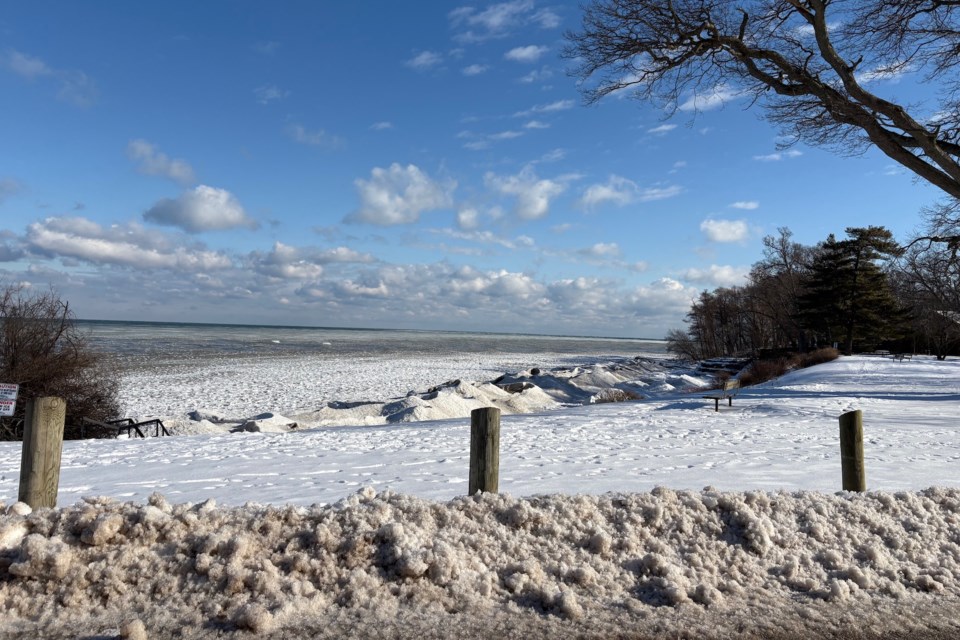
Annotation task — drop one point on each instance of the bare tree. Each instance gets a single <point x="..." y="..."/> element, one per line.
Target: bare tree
<point x="810" y="64"/>
<point x="42" y="350"/>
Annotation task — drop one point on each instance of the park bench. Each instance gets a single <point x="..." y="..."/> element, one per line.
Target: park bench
<point x="129" y="424"/>
<point x="902" y="356"/>
<point x="726" y="392"/>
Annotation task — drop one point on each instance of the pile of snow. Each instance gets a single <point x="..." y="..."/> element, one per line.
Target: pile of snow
<point x="664" y="563"/>
<point x="528" y="391"/>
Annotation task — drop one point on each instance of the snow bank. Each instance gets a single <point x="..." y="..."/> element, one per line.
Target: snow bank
<point x="663" y="563"/>
<point x="527" y="391"/>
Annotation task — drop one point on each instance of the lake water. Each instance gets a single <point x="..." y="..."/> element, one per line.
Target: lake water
<point x="171" y="369"/>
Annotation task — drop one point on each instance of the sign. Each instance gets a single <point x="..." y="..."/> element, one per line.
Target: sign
<point x="8" y="398"/>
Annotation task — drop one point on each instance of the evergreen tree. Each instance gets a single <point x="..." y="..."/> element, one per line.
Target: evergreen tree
<point x="848" y="297"/>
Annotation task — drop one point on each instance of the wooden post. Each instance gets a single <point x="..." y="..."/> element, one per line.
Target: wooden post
<point x="484" y="450"/>
<point x="42" y="445"/>
<point x="851" y="451"/>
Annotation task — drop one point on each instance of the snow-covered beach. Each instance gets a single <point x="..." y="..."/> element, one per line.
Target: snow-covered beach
<point x="639" y="519"/>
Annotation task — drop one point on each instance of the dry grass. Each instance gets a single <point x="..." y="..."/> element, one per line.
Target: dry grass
<point x="763" y="370"/>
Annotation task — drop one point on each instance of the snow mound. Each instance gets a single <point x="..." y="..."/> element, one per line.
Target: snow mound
<point x="664" y="563"/>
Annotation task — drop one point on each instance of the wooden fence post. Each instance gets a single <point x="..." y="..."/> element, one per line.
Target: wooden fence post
<point x="851" y="451"/>
<point x="484" y="450"/>
<point x="42" y="445"/>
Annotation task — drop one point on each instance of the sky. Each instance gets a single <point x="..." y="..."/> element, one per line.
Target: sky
<point x="428" y="165"/>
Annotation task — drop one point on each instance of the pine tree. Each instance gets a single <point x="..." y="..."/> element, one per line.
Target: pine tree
<point x="848" y="296"/>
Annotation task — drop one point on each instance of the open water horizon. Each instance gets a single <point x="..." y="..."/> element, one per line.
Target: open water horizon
<point x="135" y="341"/>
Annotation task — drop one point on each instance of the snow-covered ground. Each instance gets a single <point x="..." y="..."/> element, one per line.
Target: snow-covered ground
<point x="748" y="539"/>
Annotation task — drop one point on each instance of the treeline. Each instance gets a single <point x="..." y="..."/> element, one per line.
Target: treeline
<point x="861" y="293"/>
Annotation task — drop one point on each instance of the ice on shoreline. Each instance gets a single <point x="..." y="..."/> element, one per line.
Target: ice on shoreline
<point x="282" y="388"/>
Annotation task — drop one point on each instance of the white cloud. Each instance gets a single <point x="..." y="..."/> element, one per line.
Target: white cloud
<point x="383" y="125"/>
<point x="152" y="162"/>
<point x="659" y="193"/>
<point x="499" y="20"/>
<point x="559" y="105"/>
<point x="121" y="245"/>
<point x="313" y="138"/>
<point x="76" y="87"/>
<point x="536" y="124"/>
<point x="424" y="60"/>
<point x="617" y="190"/>
<point x="532" y="194"/>
<point x="201" y="209"/>
<point x="725" y="230"/>
<point x="718" y="96"/>
<point x="270" y="93"/>
<point x="468" y="218"/>
<point x="664" y="128"/>
<point x="27" y="66"/>
<point x="286" y="263"/>
<point x="527" y="55"/>
<point x="717" y="276"/>
<point x="778" y="156"/>
<point x="474" y="69"/>
<point x="747" y="205"/>
<point x="398" y="195"/>
<point x="342" y="255"/>
<point x="554" y="155"/>
<point x="602" y="250"/>
<point x="537" y="75"/>
<point x="505" y="135"/>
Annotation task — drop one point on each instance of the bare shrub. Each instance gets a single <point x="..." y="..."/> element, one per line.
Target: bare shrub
<point x="43" y="351"/>
<point x="615" y="395"/>
<point x="816" y="357"/>
<point x="763" y="370"/>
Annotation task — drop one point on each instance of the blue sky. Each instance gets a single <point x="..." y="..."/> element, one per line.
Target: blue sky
<point x="384" y="164"/>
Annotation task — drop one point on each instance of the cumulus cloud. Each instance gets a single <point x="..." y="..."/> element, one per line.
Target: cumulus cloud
<point x="617" y="190"/>
<point x="75" y="87"/>
<point x="778" y="156"/>
<point x="717" y="276"/>
<point x="725" y="230"/>
<point x="468" y="218"/>
<point x="286" y="263"/>
<point x="537" y="75"/>
<point x="424" y="60"/>
<point x="123" y="245"/>
<point x="747" y="205"/>
<point x="528" y="54"/>
<point x="499" y="20"/>
<point x="398" y="195"/>
<point x="313" y="138"/>
<point x="201" y="209"/>
<point x="532" y="194"/>
<point x="602" y="250"/>
<point x="152" y="162"/>
<point x="474" y="69"/>
<point x="715" y="98"/>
